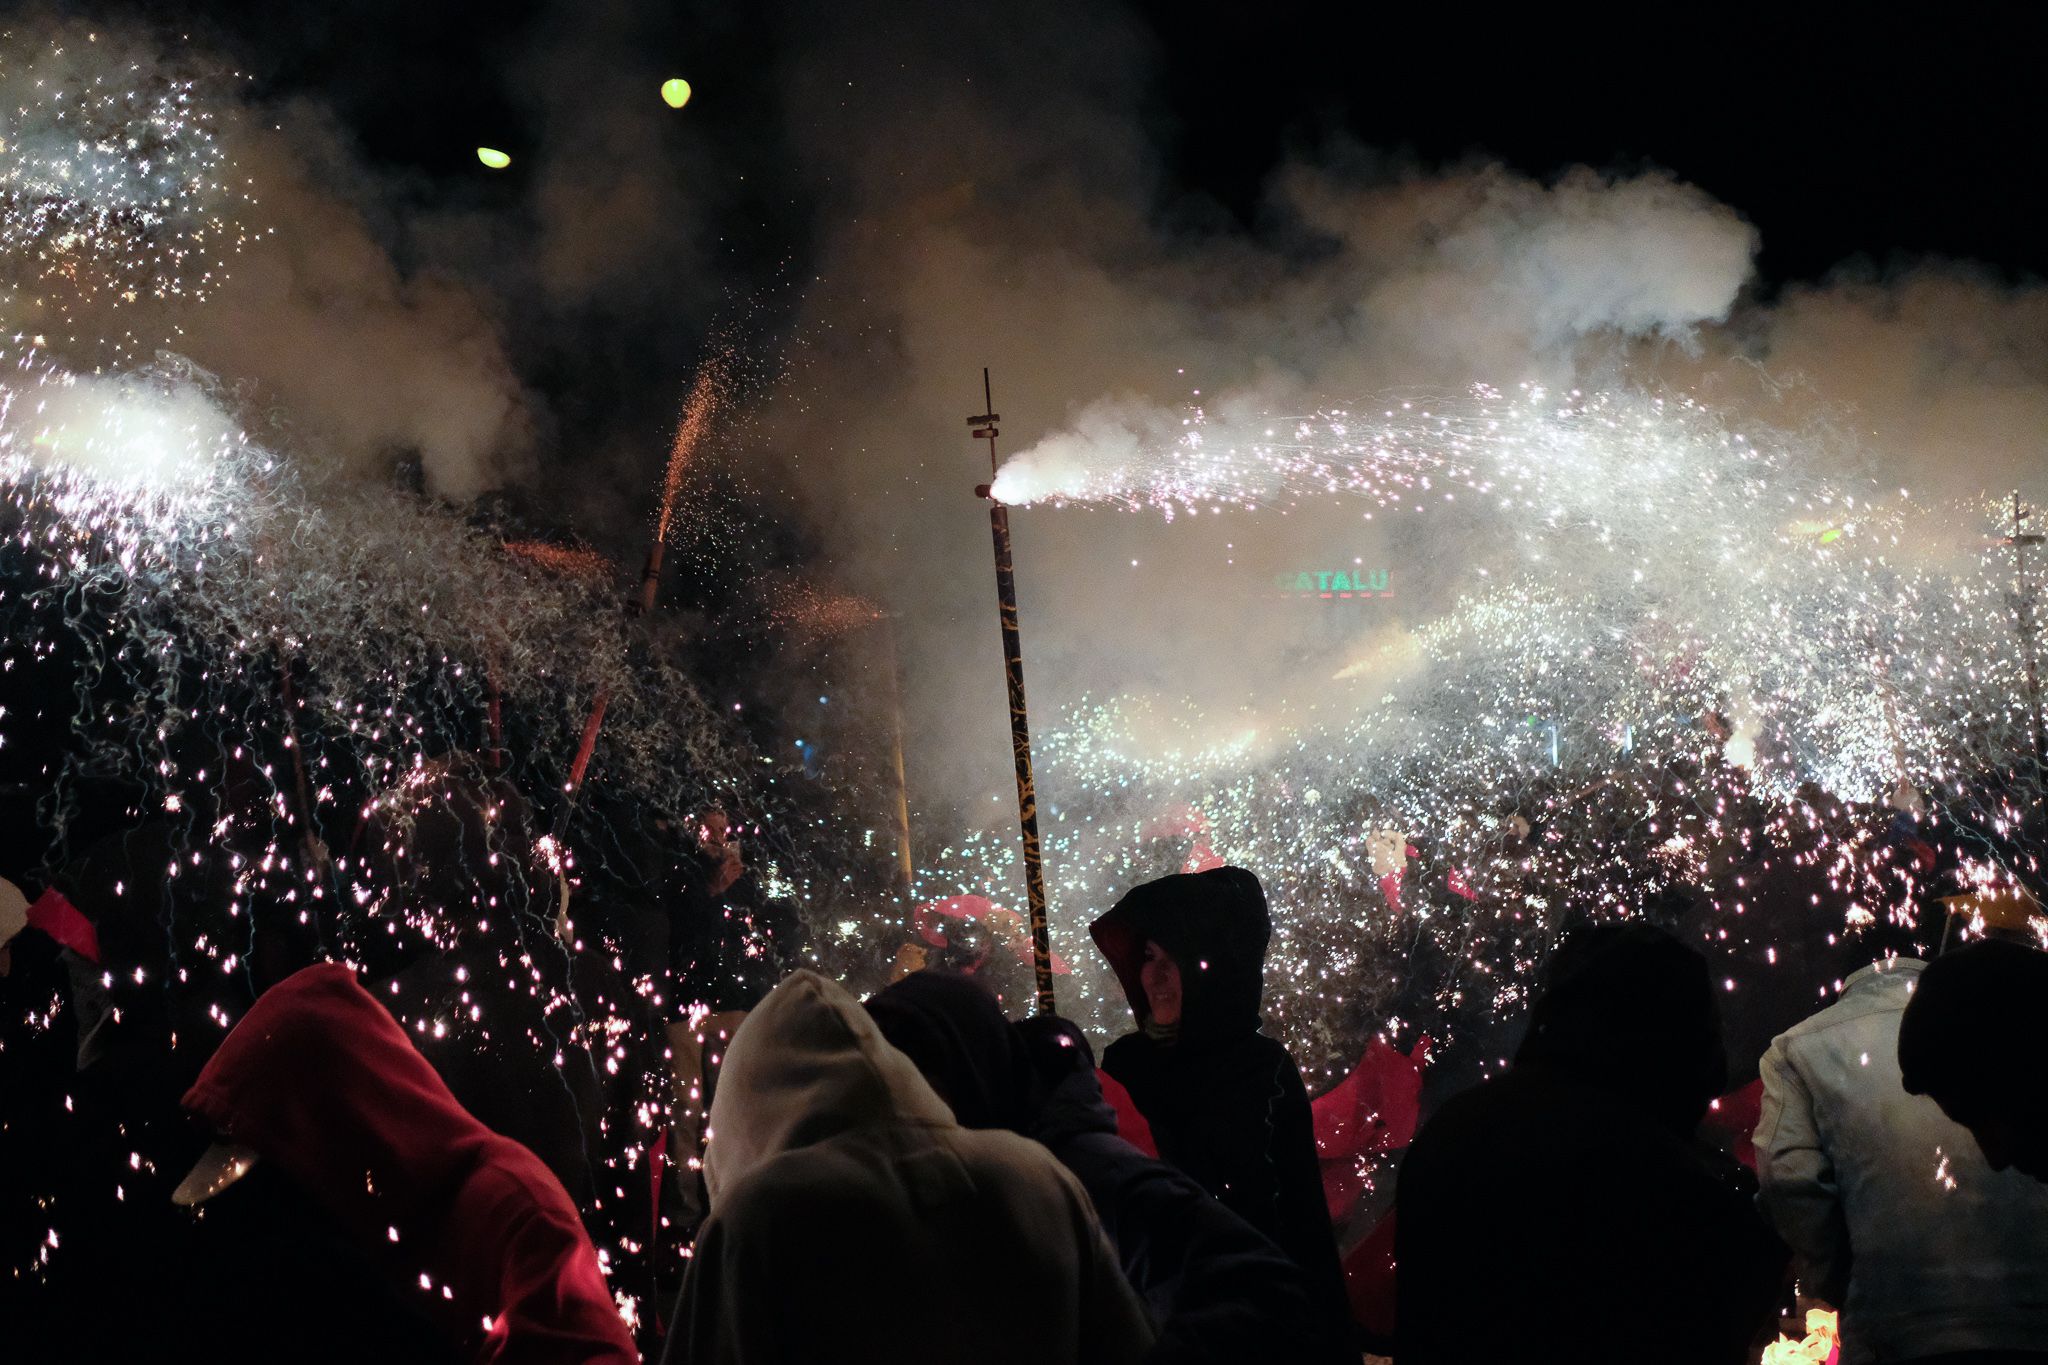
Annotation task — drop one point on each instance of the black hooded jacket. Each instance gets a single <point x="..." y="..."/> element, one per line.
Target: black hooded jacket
<point x="1566" y="1210"/>
<point x="1225" y="1102"/>
<point x="1217" y="1290"/>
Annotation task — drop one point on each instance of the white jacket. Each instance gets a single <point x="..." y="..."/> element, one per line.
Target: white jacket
<point x="852" y="1220"/>
<point x="1877" y="1191"/>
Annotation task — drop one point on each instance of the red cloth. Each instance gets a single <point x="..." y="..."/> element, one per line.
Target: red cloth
<point x="1130" y="1124"/>
<point x="1369" y="1279"/>
<point x="1176" y="821"/>
<point x="65" y="923"/>
<point x="1374" y="1109"/>
<point x="320" y="1080"/>
<point x="1736" y="1113"/>
<point x="929" y="921"/>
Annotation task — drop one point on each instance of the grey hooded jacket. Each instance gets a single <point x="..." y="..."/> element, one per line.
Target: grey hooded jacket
<point x="852" y="1220"/>
<point x="1888" y="1206"/>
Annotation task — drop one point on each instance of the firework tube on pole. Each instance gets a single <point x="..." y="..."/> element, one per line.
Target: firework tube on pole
<point x="984" y="427"/>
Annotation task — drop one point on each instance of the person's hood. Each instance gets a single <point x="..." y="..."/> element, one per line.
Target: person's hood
<point x="955" y="1032"/>
<point x="1216" y="926"/>
<point x="1974" y="1028"/>
<point x="319" y="1079"/>
<point x="1072" y="1103"/>
<point x="1631" y="1010"/>
<point x="807" y="1066"/>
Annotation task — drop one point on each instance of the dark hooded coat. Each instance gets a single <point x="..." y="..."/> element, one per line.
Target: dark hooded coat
<point x="1225" y="1102"/>
<point x="1217" y="1289"/>
<point x="321" y="1081"/>
<point x="1566" y="1210"/>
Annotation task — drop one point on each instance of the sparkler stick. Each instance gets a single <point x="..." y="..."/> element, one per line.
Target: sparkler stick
<point x="984" y="427"/>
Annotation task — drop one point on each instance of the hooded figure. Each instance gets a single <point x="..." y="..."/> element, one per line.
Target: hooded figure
<point x="1224" y="1101"/>
<point x="1566" y="1210"/>
<point x="318" y="1080"/>
<point x="1923" y="1266"/>
<point x="1972" y="1039"/>
<point x="853" y="1220"/>
<point x="1218" y="1289"/>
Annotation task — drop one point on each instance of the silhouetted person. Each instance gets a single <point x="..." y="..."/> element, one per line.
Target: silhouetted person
<point x="1225" y="1102"/>
<point x="852" y="1219"/>
<point x="1974" y="1038"/>
<point x="319" y="1081"/>
<point x="1565" y="1211"/>
<point x="1217" y="1289"/>
<point x="1889" y="1209"/>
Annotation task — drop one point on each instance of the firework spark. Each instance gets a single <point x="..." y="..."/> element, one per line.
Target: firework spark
<point x="116" y="188"/>
<point x="1677" y="639"/>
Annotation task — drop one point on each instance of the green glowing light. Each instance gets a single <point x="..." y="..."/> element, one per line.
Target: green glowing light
<point x="493" y="158"/>
<point x="676" y="91"/>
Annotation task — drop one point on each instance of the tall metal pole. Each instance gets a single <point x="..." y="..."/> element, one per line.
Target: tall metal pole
<point x="984" y="427"/>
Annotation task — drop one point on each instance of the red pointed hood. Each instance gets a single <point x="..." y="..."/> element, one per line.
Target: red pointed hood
<point x="321" y="1080"/>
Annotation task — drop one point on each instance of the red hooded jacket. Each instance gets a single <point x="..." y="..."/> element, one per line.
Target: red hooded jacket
<point x="319" y="1079"/>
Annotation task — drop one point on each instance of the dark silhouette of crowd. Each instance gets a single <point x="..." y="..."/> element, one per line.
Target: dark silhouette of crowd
<point x="921" y="1177"/>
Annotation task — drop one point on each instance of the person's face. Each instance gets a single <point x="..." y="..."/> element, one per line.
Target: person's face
<point x="1160" y="977"/>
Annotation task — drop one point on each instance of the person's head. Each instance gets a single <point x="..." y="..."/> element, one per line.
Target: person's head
<point x="1631" y="1010"/>
<point x="1971" y="1040"/>
<point x="1056" y="1047"/>
<point x="1195" y="944"/>
<point x="806" y="1065"/>
<point x="1160" y="975"/>
<point x="955" y="1032"/>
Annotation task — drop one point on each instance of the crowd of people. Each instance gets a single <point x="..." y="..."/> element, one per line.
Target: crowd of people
<point x="920" y="1177"/>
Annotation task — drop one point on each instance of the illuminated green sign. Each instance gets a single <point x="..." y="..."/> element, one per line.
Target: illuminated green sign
<point x="1334" y="583"/>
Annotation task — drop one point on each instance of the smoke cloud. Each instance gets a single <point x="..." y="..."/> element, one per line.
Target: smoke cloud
<point x="984" y="219"/>
<point x="365" y="362"/>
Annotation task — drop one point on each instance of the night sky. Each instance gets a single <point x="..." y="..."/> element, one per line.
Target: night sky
<point x="1852" y="145"/>
<point x="1838" y="140"/>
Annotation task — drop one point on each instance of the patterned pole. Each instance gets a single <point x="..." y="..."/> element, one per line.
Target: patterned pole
<point x="1020" y="725"/>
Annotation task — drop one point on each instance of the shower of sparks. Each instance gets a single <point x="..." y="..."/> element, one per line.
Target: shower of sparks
<point x="571" y="561"/>
<point x="1689" y="674"/>
<point x="255" y="709"/>
<point x="818" y="614"/>
<point x="707" y="393"/>
<point x="116" y="191"/>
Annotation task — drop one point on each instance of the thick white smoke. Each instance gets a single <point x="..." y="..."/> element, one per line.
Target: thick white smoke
<point x="970" y="222"/>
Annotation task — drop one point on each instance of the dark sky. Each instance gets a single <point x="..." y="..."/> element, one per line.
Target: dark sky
<point x="1838" y="136"/>
<point x="1877" y="139"/>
